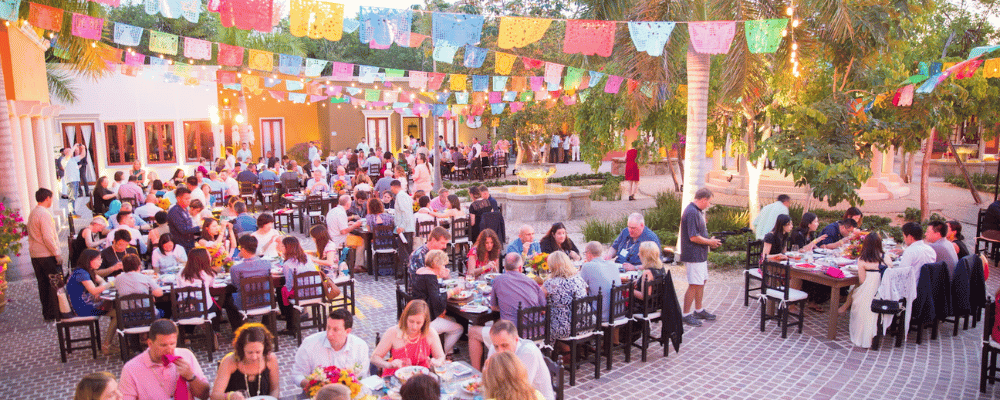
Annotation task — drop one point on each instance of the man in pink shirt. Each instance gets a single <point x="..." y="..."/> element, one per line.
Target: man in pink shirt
<point x="163" y="371"/>
<point x="440" y="203"/>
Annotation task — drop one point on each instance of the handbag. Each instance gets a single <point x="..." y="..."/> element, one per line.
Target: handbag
<point x="354" y="241"/>
<point x="330" y="289"/>
<point x="883" y="306"/>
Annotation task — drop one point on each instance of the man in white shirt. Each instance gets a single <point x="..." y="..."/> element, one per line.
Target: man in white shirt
<point x="230" y="159"/>
<point x="316" y="166"/>
<point x="405" y="222"/>
<point x="503" y="337"/>
<point x="126" y="221"/>
<point x="313" y="152"/>
<point x="363" y="146"/>
<point x="244" y="155"/>
<point x="196" y="192"/>
<point x="917" y="252"/>
<point x="232" y="186"/>
<point x="768" y="215"/>
<point x="337" y="224"/>
<point x="554" y="151"/>
<point x="149" y="209"/>
<point x="335" y="347"/>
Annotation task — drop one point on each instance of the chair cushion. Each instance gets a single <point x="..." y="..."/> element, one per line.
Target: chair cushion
<point x="582" y="336"/>
<point x="650" y="317"/>
<point x="192" y="321"/>
<point x="76" y="320"/>
<point x="134" y="331"/>
<point x="793" y="294"/>
<point x="754" y="272"/>
<point x="617" y="322"/>
<point x="994" y="344"/>
<point x="258" y="311"/>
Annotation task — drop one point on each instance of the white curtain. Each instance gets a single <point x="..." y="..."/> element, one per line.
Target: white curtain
<point x="88" y="174"/>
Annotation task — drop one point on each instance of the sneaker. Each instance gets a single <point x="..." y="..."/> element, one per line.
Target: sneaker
<point x="705" y="315"/>
<point x="692" y="320"/>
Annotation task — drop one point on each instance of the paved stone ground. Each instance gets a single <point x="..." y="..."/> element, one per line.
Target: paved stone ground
<point x="729" y="358"/>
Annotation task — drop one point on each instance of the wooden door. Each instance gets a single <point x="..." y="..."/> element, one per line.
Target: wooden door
<point x="272" y="136"/>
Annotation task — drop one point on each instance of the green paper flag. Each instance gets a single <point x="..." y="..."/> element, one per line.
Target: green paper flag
<point x="372" y="94"/>
<point x="584" y="94"/>
<point x="527" y="96"/>
<point x="764" y="36"/>
<point x="393" y="73"/>
<point x="573" y="78"/>
<point x="164" y="43"/>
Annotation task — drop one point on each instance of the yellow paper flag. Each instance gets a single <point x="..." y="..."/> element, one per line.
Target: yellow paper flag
<point x="317" y="19"/>
<point x="504" y="63"/>
<point x="261" y="60"/>
<point x="520" y="32"/>
<point x="457" y="82"/>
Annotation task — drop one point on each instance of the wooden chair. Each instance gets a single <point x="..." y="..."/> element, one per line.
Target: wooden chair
<point x="131" y="200"/>
<point x="984" y="244"/>
<point x="309" y="293"/>
<point x="64" y="331"/>
<point x="751" y="271"/>
<point x="269" y="192"/>
<point x="189" y="306"/>
<point x="424" y="229"/>
<point x="314" y="211"/>
<point x="460" y="242"/>
<point x="347" y="297"/>
<point x="461" y="169"/>
<point x="257" y="300"/>
<point x="990" y="348"/>
<point x="556" y="374"/>
<point x="402" y="299"/>
<point x="775" y="287"/>
<point x="134" y="313"/>
<point x="249" y="194"/>
<point x="619" y="317"/>
<point x="585" y="328"/>
<point x="535" y="324"/>
<point x="649" y="309"/>
<point x="897" y="326"/>
<point x="384" y="256"/>
<point x="219" y="196"/>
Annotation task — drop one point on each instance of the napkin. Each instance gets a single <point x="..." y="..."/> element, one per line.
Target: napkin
<point x="181" y="391"/>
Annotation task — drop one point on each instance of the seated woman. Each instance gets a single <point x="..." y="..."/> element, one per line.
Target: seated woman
<point x="362" y="182"/>
<point x="88" y="238"/>
<point x="484" y="256"/>
<point x="267" y="236"/>
<point x="410" y="342"/>
<point x="425" y="287"/>
<point x="652" y="268"/>
<point x="198" y="272"/>
<point x="98" y="386"/>
<point x="557" y="239"/>
<point x="377" y="216"/>
<point x="84" y="286"/>
<point x="157" y="188"/>
<point x="229" y="212"/>
<point x="327" y="254"/>
<point x="213" y="236"/>
<point x="388" y="201"/>
<point x="505" y="378"/>
<point x="178" y="179"/>
<point x="167" y="254"/>
<point x="805" y="235"/>
<point x="563" y="284"/>
<point x="776" y="241"/>
<point x="863" y="320"/>
<point x="296" y="262"/>
<point x="454" y="209"/>
<point x="955" y="237"/>
<point x="252" y="367"/>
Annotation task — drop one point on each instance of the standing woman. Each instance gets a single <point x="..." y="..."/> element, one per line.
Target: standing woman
<point x="81" y="151"/>
<point x="251" y="370"/>
<point x="632" y="172"/>
<point x="863" y="320"/>
<point x="421" y="174"/>
<point x="557" y="239"/>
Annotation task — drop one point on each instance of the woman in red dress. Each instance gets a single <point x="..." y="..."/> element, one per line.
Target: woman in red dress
<point x="632" y="173"/>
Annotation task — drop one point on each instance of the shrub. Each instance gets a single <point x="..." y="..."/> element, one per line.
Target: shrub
<point x="667" y="237"/>
<point x="609" y="191"/>
<point x="603" y="231"/>
<point x="724" y="260"/>
<point x="795" y="211"/>
<point x="726" y="219"/>
<point x="736" y="242"/>
<point x="911" y="214"/>
<point x="982" y="182"/>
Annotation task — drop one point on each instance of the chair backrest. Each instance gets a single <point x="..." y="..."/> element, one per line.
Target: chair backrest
<point x="979" y="222"/>
<point x="652" y="300"/>
<point x="556" y="374"/>
<point x="402" y="299"/>
<point x="533" y="323"/>
<point x="462" y="163"/>
<point x="754" y="249"/>
<point x="314" y="204"/>
<point x="307" y="285"/>
<point x="135" y="310"/>
<point x="256" y="292"/>
<point x="219" y="196"/>
<point x="775" y="276"/>
<point x="585" y="314"/>
<point x="383" y="237"/>
<point x="990" y="320"/>
<point x="131" y="200"/>
<point x="618" y="302"/>
<point x="460" y="229"/>
<point x="290" y="185"/>
<point x="268" y="187"/>
<point x="188" y="302"/>
<point x="246" y="188"/>
<point x="424" y="228"/>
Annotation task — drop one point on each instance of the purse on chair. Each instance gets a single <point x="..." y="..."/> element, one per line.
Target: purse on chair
<point x="883" y="306"/>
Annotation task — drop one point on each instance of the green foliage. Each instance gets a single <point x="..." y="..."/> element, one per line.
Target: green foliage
<point x="736" y="242"/>
<point x="730" y="260"/>
<point x="666" y="237"/>
<point x="12" y="230"/>
<point x="795" y="211"/>
<point x="983" y="182"/>
<point x="600" y="120"/>
<point x="726" y="219"/>
<point x="911" y="214"/>
<point x="586" y="179"/>
<point x="611" y="190"/>
<point x="462" y="193"/>
<point x="299" y="153"/>
<point x="601" y="231"/>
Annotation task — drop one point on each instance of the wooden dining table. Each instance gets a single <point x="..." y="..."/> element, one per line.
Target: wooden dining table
<point x="298" y="203"/>
<point x="797" y="275"/>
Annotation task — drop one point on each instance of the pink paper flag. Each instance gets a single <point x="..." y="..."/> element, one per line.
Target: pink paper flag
<point x="589" y="37"/>
<point x="247" y="14"/>
<point x="614" y="84"/>
<point x="87" y="27"/>
<point x="516" y="106"/>
<point x="227" y="77"/>
<point x="531" y="63"/>
<point x="434" y="80"/>
<point x="112" y="3"/>
<point x="334" y="90"/>
<point x="553" y="73"/>
<point x="536" y="82"/>
<point x="968" y="69"/>
<point x="342" y="71"/>
<point x="197" y="49"/>
<point x="418" y="79"/>
<point x="132" y="58"/>
<point x="230" y="55"/>
<point x="712" y="37"/>
<point x="496" y="97"/>
<point x="569" y="100"/>
<point x="905" y="96"/>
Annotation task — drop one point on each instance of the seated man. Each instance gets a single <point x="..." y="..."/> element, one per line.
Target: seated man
<point x="244" y="222"/>
<point x="336" y="347"/>
<point x="252" y="266"/>
<point x="518" y="291"/>
<point x="131" y="281"/>
<point x="160" y="371"/>
<point x="917" y="252"/>
<point x="626" y="246"/>
<point x="991" y="222"/>
<point x="525" y="244"/>
<point x="126" y="222"/>
<point x="600" y="274"/>
<point x="111" y="257"/>
<point x="437" y="240"/>
<point x="503" y="336"/>
<point x="937" y="238"/>
<point x="838" y="233"/>
<point x="148" y="210"/>
<point x="333" y="391"/>
<point x="440" y="203"/>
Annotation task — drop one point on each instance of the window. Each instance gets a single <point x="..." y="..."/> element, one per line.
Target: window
<point x="160" y="142"/>
<point x="198" y="140"/>
<point x="121" y="143"/>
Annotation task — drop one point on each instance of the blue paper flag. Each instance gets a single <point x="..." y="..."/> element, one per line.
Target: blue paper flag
<point x="271" y="82"/>
<point x="510" y="96"/>
<point x="9" y="9"/>
<point x="474" y="56"/>
<point x="353" y="91"/>
<point x="366" y="74"/>
<point x="497" y="108"/>
<point x="935" y="68"/>
<point x="552" y="86"/>
<point x="650" y="37"/>
<point x="385" y="25"/>
<point x="233" y="86"/>
<point x="978" y="51"/>
<point x="297" y="97"/>
<point x="443" y="97"/>
<point x="480" y="83"/>
<point x="153" y="60"/>
<point x="457" y="29"/>
<point x="499" y="83"/>
<point x="929" y="85"/>
<point x="595" y="78"/>
<point x="291" y="65"/>
<point x="293" y="85"/>
<point x="439" y="109"/>
<point x="462" y="97"/>
<point x="127" y="35"/>
<point x="444" y="52"/>
<point x="351" y="25"/>
<point x="315" y="67"/>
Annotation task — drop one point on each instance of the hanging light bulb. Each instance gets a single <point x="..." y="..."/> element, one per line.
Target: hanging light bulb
<point x="795" y="45"/>
<point x="784" y="32"/>
<point x="790" y="11"/>
<point x="795" y="23"/>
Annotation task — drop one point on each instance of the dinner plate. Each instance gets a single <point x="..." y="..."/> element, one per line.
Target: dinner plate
<point x="263" y="398"/>
<point x="405" y="373"/>
<point x="469" y="308"/>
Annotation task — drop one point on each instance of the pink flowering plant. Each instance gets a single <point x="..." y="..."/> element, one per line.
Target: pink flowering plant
<point x="12" y="229"/>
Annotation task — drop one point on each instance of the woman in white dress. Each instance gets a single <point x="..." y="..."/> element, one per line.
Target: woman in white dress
<point x="863" y="320"/>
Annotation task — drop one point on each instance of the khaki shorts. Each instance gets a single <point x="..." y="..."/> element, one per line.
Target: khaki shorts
<point x="697" y="273"/>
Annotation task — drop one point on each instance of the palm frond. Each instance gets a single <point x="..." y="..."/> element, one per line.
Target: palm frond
<point x="60" y="84"/>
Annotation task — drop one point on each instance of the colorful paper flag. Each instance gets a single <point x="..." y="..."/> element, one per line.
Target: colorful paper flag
<point x="650" y="37"/>
<point x="127" y="35"/>
<point x="444" y="52"/>
<point x="87" y="27"/>
<point x="499" y="83"/>
<point x="418" y="79"/>
<point x="342" y="71"/>
<point x="474" y="56"/>
<point x="288" y="64"/>
<point x="162" y="42"/>
<point x="9" y="9"/>
<point x="197" y="49"/>
<point x="247" y="14"/>
<point x="764" y="36"/>
<point x="230" y="55"/>
<point x="589" y="37"/>
<point x="457" y="82"/>
<point x="712" y="37"/>
<point x="457" y="29"/>
<point x="503" y="63"/>
<point x="385" y="25"/>
<point x="519" y="32"/>
<point x="613" y="84"/>
<point x="316" y="19"/>
<point x="45" y="17"/>
<point x="315" y="67"/>
<point x="173" y="9"/>
<point x="553" y="72"/>
<point x="261" y="60"/>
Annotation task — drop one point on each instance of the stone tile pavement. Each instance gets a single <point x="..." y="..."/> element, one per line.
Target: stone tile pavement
<point x="729" y="358"/>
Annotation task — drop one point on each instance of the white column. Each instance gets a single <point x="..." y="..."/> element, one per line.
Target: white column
<point x="876" y="164"/>
<point x="717" y="160"/>
<point x="889" y="161"/>
<point x="28" y="146"/>
<point x="27" y="202"/>
<point x="44" y="161"/>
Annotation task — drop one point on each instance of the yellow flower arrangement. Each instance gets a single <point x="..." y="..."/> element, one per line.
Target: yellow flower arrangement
<point x="539" y="262"/>
<point x="323" y="376"/>
<point x="164" y="204"/>
<point x="219" y="257"/>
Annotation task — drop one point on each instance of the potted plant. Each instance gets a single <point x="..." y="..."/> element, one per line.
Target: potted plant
<point x="12" y="229"/>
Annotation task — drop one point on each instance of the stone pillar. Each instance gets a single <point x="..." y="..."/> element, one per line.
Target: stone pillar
<point x="889" y="161"/>
<point x="876" y="164"/>
<point x="28" y="146"/>
<point x="45" y="164"/>
<point x="25" y="201"/>
<point x="717" y="160"/>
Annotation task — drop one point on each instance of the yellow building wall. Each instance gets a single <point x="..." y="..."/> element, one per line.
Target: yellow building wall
<point x="23" y="65"/>
<point x="347" y="121"/>
<point x="301" y="121"/>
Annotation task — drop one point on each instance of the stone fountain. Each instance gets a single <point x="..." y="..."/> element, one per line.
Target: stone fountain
<point x="540" y="202"/>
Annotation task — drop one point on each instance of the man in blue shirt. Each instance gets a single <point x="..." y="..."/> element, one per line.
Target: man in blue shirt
<point x="837" y="232"/>
<point x="525" y="244"/>
<point x="626" y="246"/>
<point x="252" y="266"/>
<point x="244" y="222"/>
<point x="182" y="229"/>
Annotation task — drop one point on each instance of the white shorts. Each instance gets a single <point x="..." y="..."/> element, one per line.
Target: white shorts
<point x="697" y="272"/>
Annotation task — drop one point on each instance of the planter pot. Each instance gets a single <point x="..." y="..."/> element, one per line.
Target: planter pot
<point x="3" y="283"/>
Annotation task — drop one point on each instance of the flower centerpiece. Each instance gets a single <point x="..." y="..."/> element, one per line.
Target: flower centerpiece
<point x="220" y="258"/>
<point x="163" y="203"/>
<point x="12" y="230"/>
<point x="323" y="376"/>
<point x="853" y="249"/>
<point x="338" y="186"/>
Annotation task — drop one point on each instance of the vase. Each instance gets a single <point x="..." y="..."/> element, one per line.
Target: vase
<point x="3" y="282"/>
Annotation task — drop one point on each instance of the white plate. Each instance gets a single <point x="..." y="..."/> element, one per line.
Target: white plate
<point x="262" y="398"/>
<point x="405" y="373"/>
<point x="476" y="309"/>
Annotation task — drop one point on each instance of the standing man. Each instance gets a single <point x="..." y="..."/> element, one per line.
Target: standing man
<point x="554" y="151"/>
<point x="182" y="229"/>
<point x="363" y="146"/>
<point x="574" y="142"/>
<point x="43" y="246"/>
<point x="565" y="145"/>
<point x="405" y="222"/>
<point x="768" y="215"/>
<point x="694" y="254"/>
<point x="71" y="176"/>
<point x="244" y="155"/>
<point x="230" y="159"/>
<point x="313" y="151"/>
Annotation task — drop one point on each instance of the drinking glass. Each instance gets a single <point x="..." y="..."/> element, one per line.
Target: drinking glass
<point x="795" y="248"/>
